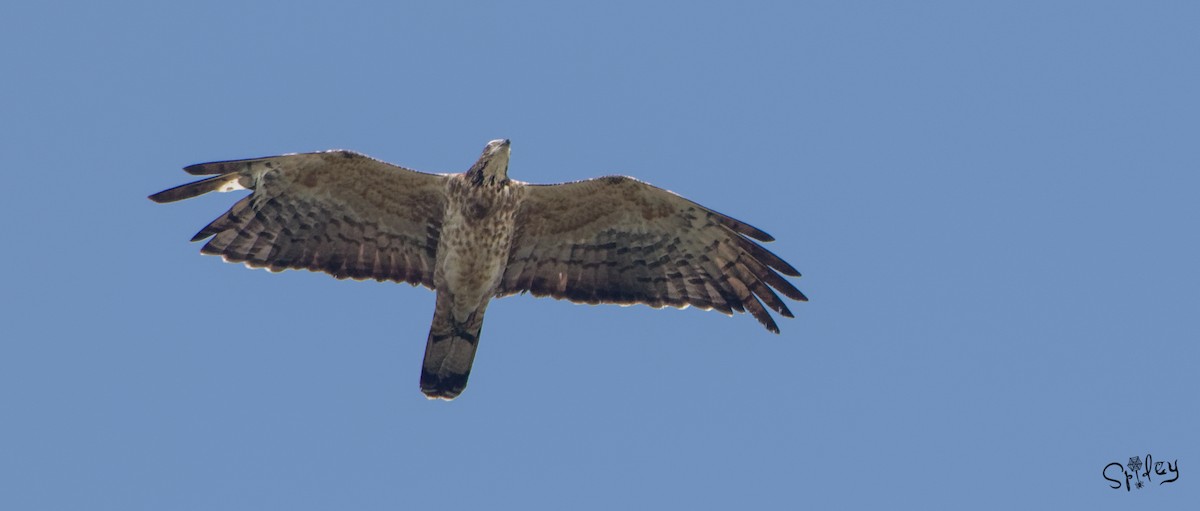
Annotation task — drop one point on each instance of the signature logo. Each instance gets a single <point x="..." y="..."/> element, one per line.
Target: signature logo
<point x="1131" y="475"/>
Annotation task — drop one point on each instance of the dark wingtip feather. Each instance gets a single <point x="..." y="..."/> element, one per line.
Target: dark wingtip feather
<point x="160" y="197"/>
<point x="203" y="234"/>
<point x="190" y="190"/>
<point x="205" y="169"/>
<point x="755" y="307"/>
<point x="781" y="284"/>
<point x="771" y="326"/>
<point x="755" y="232"/>
<point x="766" y="256"/>
<point x="744" y="228"/>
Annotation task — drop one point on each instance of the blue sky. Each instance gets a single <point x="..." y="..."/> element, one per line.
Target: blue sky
<point x="993" y="205"/>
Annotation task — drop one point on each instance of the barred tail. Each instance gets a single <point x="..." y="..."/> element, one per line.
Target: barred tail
<point x="449" y="352"/>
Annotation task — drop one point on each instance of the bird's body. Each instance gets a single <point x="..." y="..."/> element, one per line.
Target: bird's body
<point x="476" y="235"/>
<point x="479" y="235"/>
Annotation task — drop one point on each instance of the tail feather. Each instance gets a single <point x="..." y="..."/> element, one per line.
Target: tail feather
<point x="449" y="353"/>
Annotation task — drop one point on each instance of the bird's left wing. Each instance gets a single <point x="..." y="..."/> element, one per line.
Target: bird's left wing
<point x="619" y="240"/>
<point x="338" y="212"/>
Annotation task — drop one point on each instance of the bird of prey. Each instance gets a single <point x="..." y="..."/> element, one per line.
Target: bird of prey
<point x="479" y="235"/>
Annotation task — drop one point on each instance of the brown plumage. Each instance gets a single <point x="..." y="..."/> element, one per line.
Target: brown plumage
<point x="479" y="235"/>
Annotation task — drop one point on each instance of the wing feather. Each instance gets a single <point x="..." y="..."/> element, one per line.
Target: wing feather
<point x="337" y="212"/>
<point x="618" y="240"/>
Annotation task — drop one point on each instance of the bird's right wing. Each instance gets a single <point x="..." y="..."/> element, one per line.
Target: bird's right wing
<point x="337" y="212"/>
<point x="619" y="240"/>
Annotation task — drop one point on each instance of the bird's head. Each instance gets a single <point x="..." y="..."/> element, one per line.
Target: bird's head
<point x="492" y="167"/>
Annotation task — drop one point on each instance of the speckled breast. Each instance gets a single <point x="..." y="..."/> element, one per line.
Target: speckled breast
<point x="476" y="235"/>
